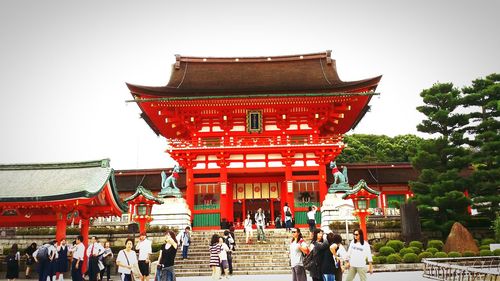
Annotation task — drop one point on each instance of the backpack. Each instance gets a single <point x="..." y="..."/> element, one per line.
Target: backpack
<point x="11" y="259"/>
<point x="309" y="261"/>
<point x="42" y="254"/>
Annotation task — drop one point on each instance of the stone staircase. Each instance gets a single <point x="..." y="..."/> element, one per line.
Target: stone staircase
<point x="254" y="258"/>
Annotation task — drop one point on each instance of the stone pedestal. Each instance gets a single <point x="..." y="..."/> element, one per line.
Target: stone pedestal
<point x="174" y="213"/>
<point x="334" y="208"/>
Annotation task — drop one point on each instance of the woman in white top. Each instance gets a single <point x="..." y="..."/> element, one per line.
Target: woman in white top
<point x="298" y="247"/>
<point x="288" y="217"/>
<point x="358" y="252"/>
<point x="223" y="257"/>
<point x="248" y="228"/>
<point x="126" y="260"/>
<point x="311" y="217"/>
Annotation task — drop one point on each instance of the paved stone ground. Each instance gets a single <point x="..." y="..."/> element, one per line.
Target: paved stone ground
<point x="378" y="276"/>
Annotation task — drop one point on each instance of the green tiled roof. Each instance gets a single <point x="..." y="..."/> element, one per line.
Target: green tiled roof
<point x="55" y="181"/>
<point x="144" y="192"/>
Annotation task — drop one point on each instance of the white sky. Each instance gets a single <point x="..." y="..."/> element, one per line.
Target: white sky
<point x="64" y="64"/>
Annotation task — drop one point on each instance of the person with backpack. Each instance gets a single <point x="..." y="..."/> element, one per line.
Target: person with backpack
<point x="329" y="261"/>
<point x="298" y="248"/>
<point x="41" y="256"/>
<point x="260" y="221"/>
<point x="13" y="263"/>
<point x="316" y="253"/>
<point x="107" y="257"/>
<point x="78" y="252"/>
<point x="230" y="243"/>
<point x="340" y="254"/>
<point x="288" y="217"/>
<point x="30" y="260"/>
<point x="184" y="239"/>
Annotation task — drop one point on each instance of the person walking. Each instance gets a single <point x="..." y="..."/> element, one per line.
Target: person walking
<point x="357" y="254"/>
<point x="223" y="256"/>
<point x="260" y="221"/>
<point x="215" y="249"/>
<point x="329" y="264"/>
<point x="298" y="248"/>
<point x="145" y="250"/>
<point x="78" y="251"/>
<point x="341" y="255"/>
<point x="248" y="229"/>
<point x="12" y="260"/>
<point x="94" y="250"/>
<point x="62" y="259"/>
<point x="288" y="217"/>
<point x="41" y="256"/>
<point x="230" y="243"/>
<point x="126" y="260"/>
<point x="165" y="268"/>
<point x="317" y="248"/>
<point x="184" y="239"/>
<point x="311" y="217"/>
<point x="107" y="257"/>
<point x="30" y="260"/>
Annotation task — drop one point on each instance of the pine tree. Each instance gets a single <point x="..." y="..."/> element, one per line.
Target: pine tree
<point x="439" y="190"/>
<point x="483" y="98"/>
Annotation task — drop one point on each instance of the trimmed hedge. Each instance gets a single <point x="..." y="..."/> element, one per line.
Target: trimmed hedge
<point x="438" y="244"/>
<point x="440" y="255"/>
<point x="496" y="252"/>
<point x="485" y="253"/>
<point x="424" y="255"/>
<point x="386" y="251"/>
<point x="395" y="244"/>
<point x="377" y="246"/>
<point x="432" y="250"/>
<point x="405" y="251"/>
<point x="417" y="244"/>
<point x="487" y="241"/>
<point x="382" y="259"/>
<point x="416" y="250"/>
<point x="410" y="258"/>
<point x="454" y="254"/>
<point x="394" y="259"/>
<point x="484" y="247"/>
<point x="468" y="254"/>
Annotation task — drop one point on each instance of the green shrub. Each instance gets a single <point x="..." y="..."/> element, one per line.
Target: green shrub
<point x="477" y="242"/>
<point x="496" y="228"/>
<point x="378" y="245"/>
<point x="483" y="253"/>
<point x="487" y="241"/>
<point x="417" y="244"/>
<point x="432" y="250"/>
<point x="496" y="252"/>
<point x="405" y="251"/>
<point x="376" y="260"/>
<point x="440" y="255"/>
<point x="394" y="258"/>
<point x="410" y="258"/>
<point x="438" y="244"/>
<point x="382" y="259"/>
<point x="484" y="247"/>
<point x="416" y="250"/>
<point x="454" y="254"/>
<point x="386" y="250"/>
<point x="424" y="255"/>
<point x="395" y="244"/>
<point x="468" y="254"/>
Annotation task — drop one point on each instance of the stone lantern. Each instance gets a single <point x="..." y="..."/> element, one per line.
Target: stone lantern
<point x="140" y="205"/>
<point x="361" y="195"/>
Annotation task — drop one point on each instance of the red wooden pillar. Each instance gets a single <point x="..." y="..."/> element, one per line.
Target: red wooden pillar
<point x="190" y="190"/>
<point x="224" y="198"/>
<point x="289" y="189"/>
<point x="230" y="203"/>
<point x="362" y="223"/>
<point x="60" y="225"/>
<point x="323" y="189"/>
<point x="85" y="234"/>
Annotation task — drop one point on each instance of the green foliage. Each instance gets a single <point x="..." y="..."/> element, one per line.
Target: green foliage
<point x="417" y="244"/>
<point x="496" y="228"/>
<point x="416" y="250"/>
<point x="394" y="259"/>
<point x="376" y="260"/>
<point x="382" y="259"/>
<point x="395" y="244"/>
<point x="424" y="255"/>
<point x="454" y="254"/>
<point x="496" y="252"/>
<point x="468" y="254"/>
<point x="484" y="247"/>
<point x="378" y="148"/>
<point x="483" y="253"/>
<point x="378" y="245"/>
<point x="405" y="251"/>
<point x="410" y="258"/>
<point x="487" y="241"/>
<point x="440" y="255"/>
<point x="432" y="250"/>
<point x="386" y="250"/>
<point x="438" y="244"/>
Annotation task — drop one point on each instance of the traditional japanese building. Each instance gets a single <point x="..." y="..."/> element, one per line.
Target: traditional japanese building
<point x="254" y="132"/>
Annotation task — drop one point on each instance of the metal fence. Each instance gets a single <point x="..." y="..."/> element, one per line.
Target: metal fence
<point x="470" y="268"/>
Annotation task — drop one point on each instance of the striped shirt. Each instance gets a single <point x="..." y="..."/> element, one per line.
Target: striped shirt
<point x="214" y="254"/>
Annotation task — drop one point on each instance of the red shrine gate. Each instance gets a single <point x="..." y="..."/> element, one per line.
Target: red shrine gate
<point x="254" y="132"/>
